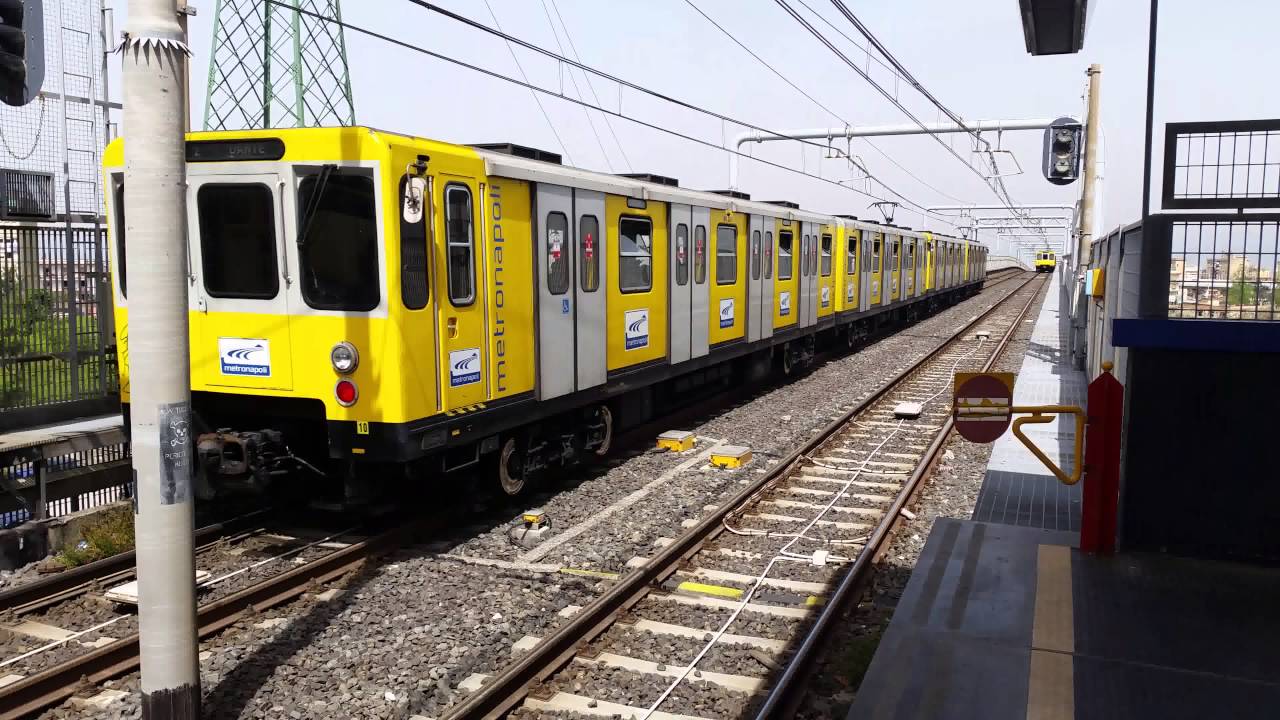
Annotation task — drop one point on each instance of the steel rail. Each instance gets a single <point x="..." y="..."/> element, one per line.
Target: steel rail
<point x="39" y="594"/>
<point x="507" y="689"/>
<point x="785" y="696"/>
<point x="54" y="685"/>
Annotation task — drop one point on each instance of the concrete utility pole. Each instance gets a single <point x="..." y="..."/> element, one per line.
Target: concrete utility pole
<point x="1091" y="121"/>
<point x="155" y="58"/>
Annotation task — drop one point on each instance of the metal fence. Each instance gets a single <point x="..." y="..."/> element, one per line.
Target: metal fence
<point x="52" y="487"/>
<point x="57" y="336"/>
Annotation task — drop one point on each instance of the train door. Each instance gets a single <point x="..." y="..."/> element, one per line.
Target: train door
<point x="590" y="268"/>
<point x="825" y="277"/>
<point x="787" y="275"/>
<point x="680" y="232"/>
<point x="700" y="314"/>
<point x="877" y="267"/>
<point x="755" y="278"/>
<point x="894" y="253"/>
<point x="764" y="310"/>
<point x="808" y="239"/>
<point x="460" y="287"/>
<point x="852" y="267"/>
<point x="239" y="267"/>
<point x="553" y="240"/>
<point x="909" y="268"/>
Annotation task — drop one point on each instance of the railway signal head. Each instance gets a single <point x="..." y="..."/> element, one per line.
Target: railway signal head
<point x="21" y="50"/>
<point x="1062" y="151"/>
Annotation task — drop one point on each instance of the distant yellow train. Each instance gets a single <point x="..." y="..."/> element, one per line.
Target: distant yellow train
<point x="362" y="301"/>
<point x="1046" y="261"/>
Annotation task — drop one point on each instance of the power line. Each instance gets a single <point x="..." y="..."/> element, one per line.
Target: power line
<point x="511" y="39"/>
<point x="591" y="123"/>
<point x="590" y="85"/>
<point x="535" y="88"/>
<point x="563" y="148"/>
<point x="829" y="111"/>
<point x="996" y="186"/>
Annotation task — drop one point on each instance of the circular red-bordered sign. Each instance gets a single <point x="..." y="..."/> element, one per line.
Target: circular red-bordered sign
<point x="981" y="408"/>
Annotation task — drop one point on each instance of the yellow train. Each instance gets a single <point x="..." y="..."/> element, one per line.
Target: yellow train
<point x="1046" y="261"/>
<point x="363" y="301"/>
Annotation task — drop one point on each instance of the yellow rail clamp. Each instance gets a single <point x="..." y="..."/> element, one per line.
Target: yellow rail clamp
<point x="677" y="440"/>
<point x="730" y="456"/>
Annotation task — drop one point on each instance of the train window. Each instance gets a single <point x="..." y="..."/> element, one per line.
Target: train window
<point x="557" y="253"/>
<point x="851" y="255"/>
<point x="726" y="254"/>
<point x="768" y="255"/>
<point x="893" y="254"/>
<point x="238" y="240"/>
<point x="635" y="254"/>
<point x="784" y="255"/>
<point x="117" y="224"/>
<point x="589" y="253"/>
<point x="682" y="254"/>
<point x="826" y="255"/>
<point x="755" y="254"/>
<point x="699" y="254"/>
<point x="338" y="241"/>
<point x="415" y="290"/>
<point x="804" y="256"/>
<point x="911" y="256"/>
<point x="875" y="254"/>
<point x="460" y="240"/>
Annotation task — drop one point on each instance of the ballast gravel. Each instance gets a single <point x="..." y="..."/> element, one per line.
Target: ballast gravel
<point x="406" y="631"/>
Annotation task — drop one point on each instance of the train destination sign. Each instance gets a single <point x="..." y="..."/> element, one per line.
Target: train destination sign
<point x="982" y="405"/>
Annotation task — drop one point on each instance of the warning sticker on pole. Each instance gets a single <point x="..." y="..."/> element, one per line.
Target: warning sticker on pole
<point x="174" y="420"/>
<point x="982" y="406"/>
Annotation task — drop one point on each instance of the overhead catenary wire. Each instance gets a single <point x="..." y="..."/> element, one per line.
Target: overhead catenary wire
<point x="994" y="183"/>
<point x="825" y="108"/>
<point x="591" y="86"/>
<point x="499" y="33"/>
<point x="522" y="83"/>
<point x="563" y="148"/>
<point x="997" y="182"/>
<point x="577" y="90"/>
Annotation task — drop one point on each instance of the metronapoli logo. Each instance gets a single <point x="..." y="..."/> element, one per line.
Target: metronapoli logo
<point x="245" y="356"/>
<point x="784" y="303"/>
<point x="636" y="328"/>
<point x="726" y="312"/>
<point x="464" y="367"/>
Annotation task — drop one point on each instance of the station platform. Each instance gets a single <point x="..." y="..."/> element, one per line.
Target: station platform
<point x="46" y="434"/>
<point x="1004" y="618"/>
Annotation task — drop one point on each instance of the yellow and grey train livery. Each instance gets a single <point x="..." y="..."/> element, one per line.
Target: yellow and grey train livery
<point x="1046" y="261"/>
<point x="363" y="301"/>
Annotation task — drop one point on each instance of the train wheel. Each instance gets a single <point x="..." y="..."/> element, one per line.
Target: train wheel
<point x="606" y="419"/>
<point x="788" y="360"/>
<point x="511" y="467"/>
<point x="850" y="338"/>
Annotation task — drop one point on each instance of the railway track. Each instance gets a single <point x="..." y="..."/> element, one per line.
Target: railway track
<point x="803" y="535"/>
<point x="301" y="567"/>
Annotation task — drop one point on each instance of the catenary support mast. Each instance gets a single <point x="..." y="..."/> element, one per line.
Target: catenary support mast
<point x="154" y="59"/>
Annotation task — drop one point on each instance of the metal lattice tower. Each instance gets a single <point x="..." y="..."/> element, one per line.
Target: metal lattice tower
<point x="273" y="66"/>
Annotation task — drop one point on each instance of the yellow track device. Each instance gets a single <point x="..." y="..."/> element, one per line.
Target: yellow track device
<point x="730" y="457"/>
<point x="677" y="440"/>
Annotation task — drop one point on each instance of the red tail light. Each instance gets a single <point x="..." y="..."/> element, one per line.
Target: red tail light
<point x="346" y="392"/>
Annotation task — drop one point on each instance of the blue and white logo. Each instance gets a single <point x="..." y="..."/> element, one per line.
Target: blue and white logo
<point x="250" y="357"/>
<point x="849" y="292"/>
<point x="464" y="367"/>
<point x="826" y="296"/>
<point x="726" y="312"/>
<point x="784" y="304"/>
<point x="636" y="328"/>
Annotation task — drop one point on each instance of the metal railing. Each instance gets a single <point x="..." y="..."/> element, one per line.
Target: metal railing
<point x="57" y="336"/>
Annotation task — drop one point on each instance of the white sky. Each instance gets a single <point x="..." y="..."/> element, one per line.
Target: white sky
<point x="970" y="55"/>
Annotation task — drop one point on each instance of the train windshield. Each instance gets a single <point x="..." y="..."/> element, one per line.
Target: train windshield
<point x="338" y="241"/>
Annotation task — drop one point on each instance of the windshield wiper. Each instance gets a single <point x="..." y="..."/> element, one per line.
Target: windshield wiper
<point x="313" y="203"/>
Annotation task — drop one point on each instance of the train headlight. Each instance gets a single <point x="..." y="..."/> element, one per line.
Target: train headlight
<point x="344" y="358"/>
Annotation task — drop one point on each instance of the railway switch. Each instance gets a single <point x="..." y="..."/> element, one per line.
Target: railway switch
<point x="677" y="440"/>
<point x="730" y="457"/>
